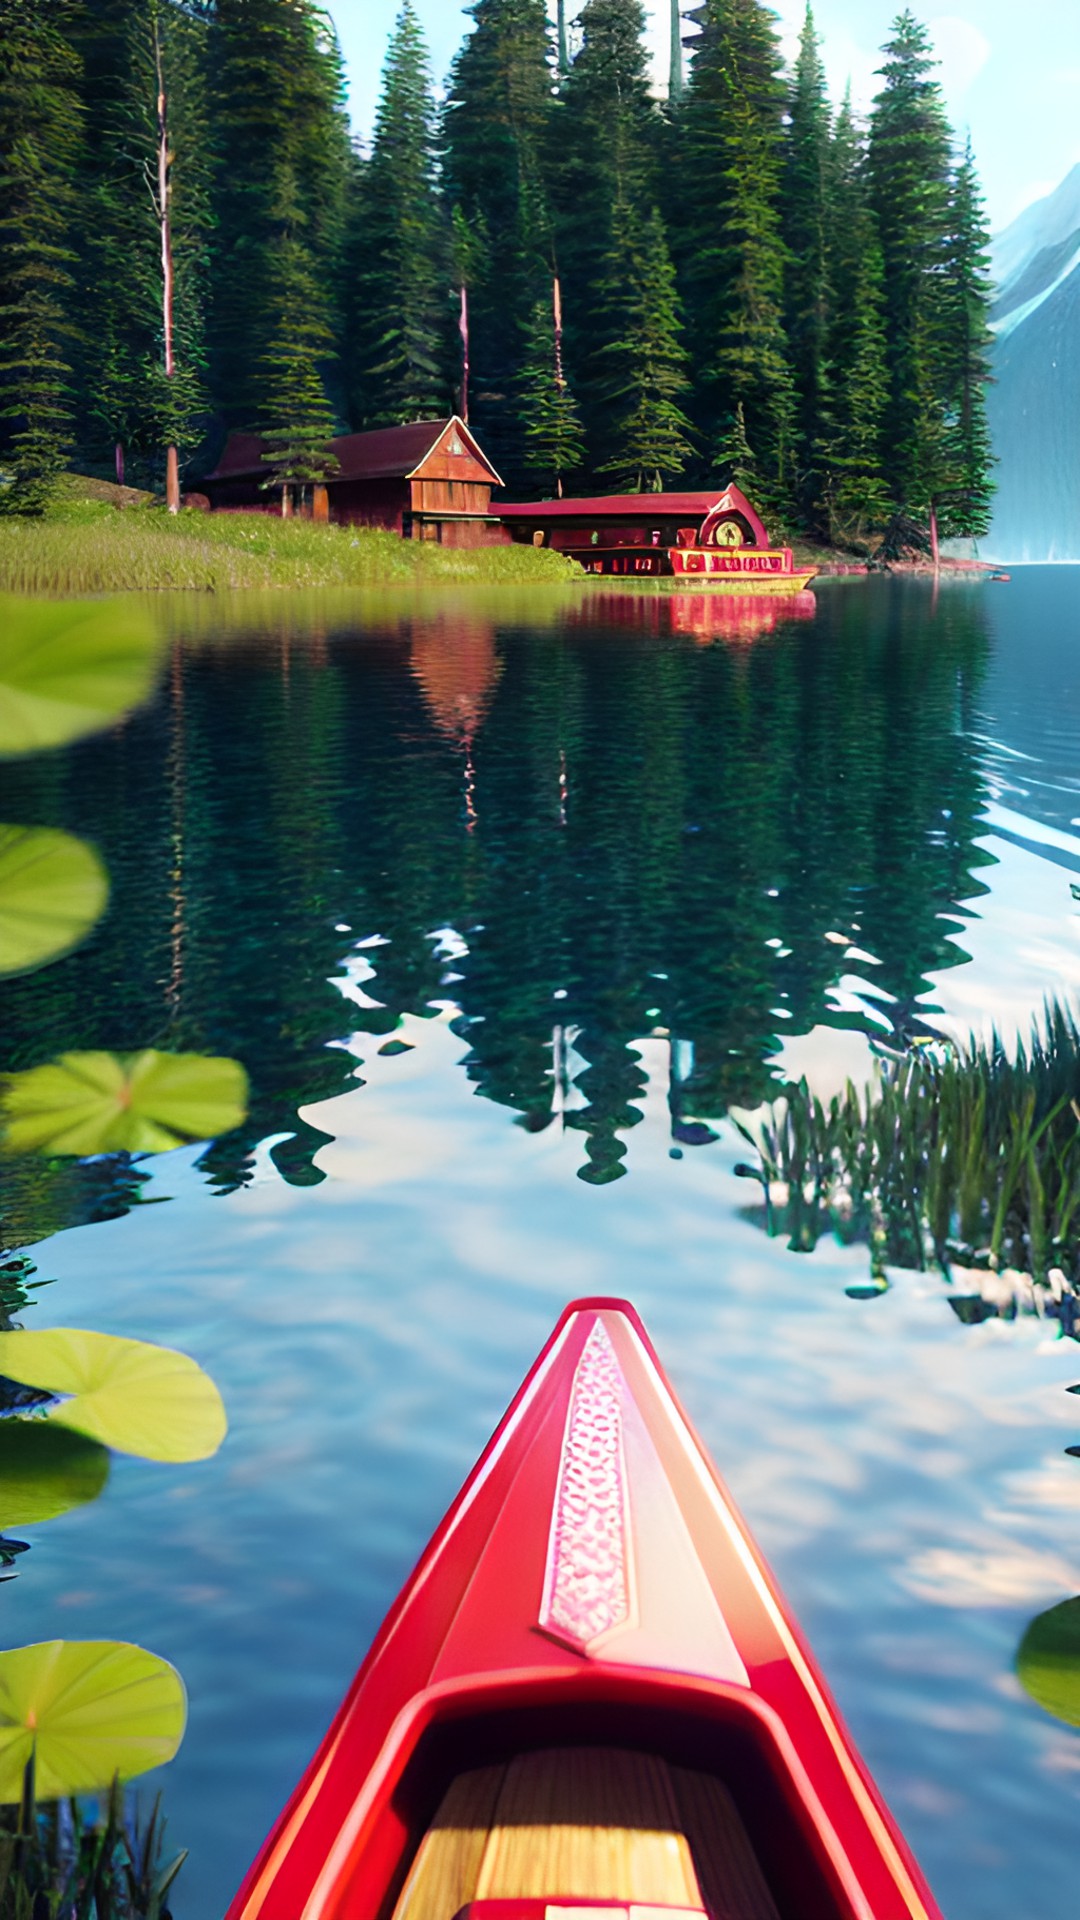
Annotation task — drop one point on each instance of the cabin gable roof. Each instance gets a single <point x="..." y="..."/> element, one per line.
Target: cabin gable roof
<point x="445" y="446"/>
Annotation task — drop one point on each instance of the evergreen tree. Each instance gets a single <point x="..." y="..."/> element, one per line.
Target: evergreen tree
<point x="856" y="496"/>
<point x="298" y="419"/>
<point x="281" y="179"/>
<point x="909" y="164"/>
<point x="726" y="231"/>
<point x="143" y="59"/>
<point x="497" y="121"/>
<point x="396" y="331"/>
<point x="554" y="445"/>
<point x="736" y="458"/>
<point x="641" y="367"/>
<point x="40" y="140"/>
<point x="967" y="294"/>
<point x="807" y="292"/>
<point x="604" y="156"/>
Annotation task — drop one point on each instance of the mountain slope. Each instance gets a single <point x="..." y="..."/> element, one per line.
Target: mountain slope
<point x="1034" y="412"/>
<point x="1034" y="405"/>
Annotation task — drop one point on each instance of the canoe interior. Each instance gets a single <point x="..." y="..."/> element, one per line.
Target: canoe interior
<point x="596" y="1800"/>
<point x="589" y="1823"/>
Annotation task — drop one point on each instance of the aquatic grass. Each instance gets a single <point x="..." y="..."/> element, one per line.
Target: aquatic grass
<point x="965" y="1158"/>
<point x="91" y="549"/>
<point x="58" y="1863"/>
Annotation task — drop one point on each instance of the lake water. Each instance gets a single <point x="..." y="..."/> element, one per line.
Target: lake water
<point x="606" y="868"/>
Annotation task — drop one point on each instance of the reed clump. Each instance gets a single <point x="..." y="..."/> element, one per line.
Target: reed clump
<point x="88" y="547"/>
<point x="965" y="1158"/>
<point x="56" y="1863"/>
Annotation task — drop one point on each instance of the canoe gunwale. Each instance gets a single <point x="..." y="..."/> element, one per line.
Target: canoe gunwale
<point x="453" y="1727"/>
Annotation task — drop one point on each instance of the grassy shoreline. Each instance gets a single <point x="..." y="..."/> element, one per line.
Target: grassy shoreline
<point x="88" y="547"/>
<point x="103" y="539"/>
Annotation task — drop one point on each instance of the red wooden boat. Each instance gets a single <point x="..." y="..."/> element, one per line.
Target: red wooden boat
<point x="590" y="1701"/>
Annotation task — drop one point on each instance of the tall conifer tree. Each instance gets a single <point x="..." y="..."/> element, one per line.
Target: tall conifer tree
<point x="727" y="233"/>
<point x="967" y="508"/>
<point x="554" y="444"/>
<point x="604" y="158"/>
<point x="497" y="122"/>
<point x="40" y="145"/>
<point x="396" y="325"/>
<point x="856" y="496"/>
<point x="807" y="291"/>
<point x="282" y="153"/>
<point x="137" y="54"/>
<point x="909" y="164"/>
<point x="641" y="367"/>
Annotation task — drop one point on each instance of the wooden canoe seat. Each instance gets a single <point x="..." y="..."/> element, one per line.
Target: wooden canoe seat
<point x="595" y="1823"/>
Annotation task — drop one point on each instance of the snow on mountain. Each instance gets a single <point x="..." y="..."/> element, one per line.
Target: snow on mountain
<point x="1041" y="226"/>
<point x="1034" y="405"/>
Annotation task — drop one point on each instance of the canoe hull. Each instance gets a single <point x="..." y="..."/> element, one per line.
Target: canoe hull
<point x="592" y="1582"/>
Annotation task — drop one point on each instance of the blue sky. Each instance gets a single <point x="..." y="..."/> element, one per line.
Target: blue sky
<point x="1010" y="70"/>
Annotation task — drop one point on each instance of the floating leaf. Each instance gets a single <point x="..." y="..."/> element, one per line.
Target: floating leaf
<point x="70" y="667"/>
<point x="1048" y="1662"/>
<point x="129" y="1394"/>
<point x="88" y="1710"/>
<point x="53" y="889"/>
<point x="45" y="1470"/>
<point x="111" y="1102"/>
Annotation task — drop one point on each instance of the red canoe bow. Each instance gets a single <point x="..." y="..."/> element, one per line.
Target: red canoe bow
<point x="591" y="1645"/>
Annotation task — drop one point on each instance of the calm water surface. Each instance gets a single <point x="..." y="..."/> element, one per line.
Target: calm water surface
<point x="606" y="870"/>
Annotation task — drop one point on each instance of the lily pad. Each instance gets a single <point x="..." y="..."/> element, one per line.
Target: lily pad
<point x="88" y="1710"/>
<point x="45" y="1470"/>
<point x="53" y="889"/>
<point x="1048" y="1661"/>
<point x="68" y="668"/>
<point x="128" y="1394"/>
<point x="110" y="1102"/>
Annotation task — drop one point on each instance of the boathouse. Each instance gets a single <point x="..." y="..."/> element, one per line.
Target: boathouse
<point x="635" y="532"/>
<point x="429" y="480"/>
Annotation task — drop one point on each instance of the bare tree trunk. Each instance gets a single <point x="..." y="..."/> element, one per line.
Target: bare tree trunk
<point x="934" y="538"/>
<point x="560" y="382"/>
<point x="119" y="463"/>
<point x="463" y="329"/>
<point x="172" y="463"/>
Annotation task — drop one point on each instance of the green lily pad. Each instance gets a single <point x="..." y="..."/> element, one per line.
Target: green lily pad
<point x="88" y="1710"/>
<point x="128" y="1394"/>
<point x="1048" y="1661"/>
<point x="69" y="667"/>
<point x="53" y="889"/>
<point x="111" y="1102"/>
<point x="45" y="1470"/>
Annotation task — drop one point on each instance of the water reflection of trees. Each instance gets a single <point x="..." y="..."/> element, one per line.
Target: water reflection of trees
<point x="660" y="833"/>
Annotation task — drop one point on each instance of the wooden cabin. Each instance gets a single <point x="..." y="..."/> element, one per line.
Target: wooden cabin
<point x="429" y="480"/>
<point x="635" y="533"/>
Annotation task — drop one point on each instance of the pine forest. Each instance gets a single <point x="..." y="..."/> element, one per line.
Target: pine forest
<point x="620" y="291"/>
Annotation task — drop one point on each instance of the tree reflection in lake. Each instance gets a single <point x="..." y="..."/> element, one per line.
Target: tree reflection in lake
<point x="623" y="831"/>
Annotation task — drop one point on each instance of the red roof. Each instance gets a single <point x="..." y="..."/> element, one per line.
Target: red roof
<point x="386" y="453"/>
<point x="705" y="508"/>
<point x="614" y="506"/>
